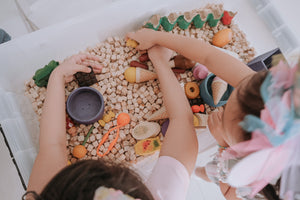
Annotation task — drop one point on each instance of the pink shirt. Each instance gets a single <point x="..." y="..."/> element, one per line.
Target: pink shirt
<point x="169" y="180"/>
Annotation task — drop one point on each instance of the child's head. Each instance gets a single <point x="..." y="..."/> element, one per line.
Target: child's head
<point x="244" y="100"/>
<point x="81" y="180"/>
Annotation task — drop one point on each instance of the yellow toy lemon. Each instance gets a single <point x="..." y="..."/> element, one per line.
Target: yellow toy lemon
<point x="130" y="74"/>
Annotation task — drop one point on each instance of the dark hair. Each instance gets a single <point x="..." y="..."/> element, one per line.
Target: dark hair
<point x="79" y="181"/>
<point x="250" y="102"/>
<point x="249" y="98"/>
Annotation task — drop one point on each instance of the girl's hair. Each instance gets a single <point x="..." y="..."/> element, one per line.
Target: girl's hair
<point x="79" y="181"/>
<point x="250" y="102"/>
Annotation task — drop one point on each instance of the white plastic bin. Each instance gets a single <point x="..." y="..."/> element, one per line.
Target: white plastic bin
<point x="21" y="57"/>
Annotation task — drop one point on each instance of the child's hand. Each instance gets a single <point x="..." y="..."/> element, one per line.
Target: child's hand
<point x="160" y="54"/>
<point x="78" y="63"/>
<point x="145" y="37"/>
<point x="215" y="126"/>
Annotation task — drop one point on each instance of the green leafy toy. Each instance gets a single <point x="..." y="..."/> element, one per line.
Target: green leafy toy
<point x="42" y="75"/>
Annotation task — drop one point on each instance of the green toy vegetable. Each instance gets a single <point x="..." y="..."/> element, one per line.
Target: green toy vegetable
<point x="42" y="75"/>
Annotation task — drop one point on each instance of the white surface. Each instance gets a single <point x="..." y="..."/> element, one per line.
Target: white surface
<point x="10" y="184"/>
<point x="11" y="20"/>
<point x="22" y="56"/>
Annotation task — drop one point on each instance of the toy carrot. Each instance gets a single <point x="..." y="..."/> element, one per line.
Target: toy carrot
<point x="80" y="151"/>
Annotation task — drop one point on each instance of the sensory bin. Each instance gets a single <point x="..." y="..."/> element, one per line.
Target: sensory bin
<point x="140" y="100"/>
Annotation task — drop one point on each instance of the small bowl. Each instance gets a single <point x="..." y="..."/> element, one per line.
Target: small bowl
<point x="206" y="92"/>
<point x="85" y="105"/>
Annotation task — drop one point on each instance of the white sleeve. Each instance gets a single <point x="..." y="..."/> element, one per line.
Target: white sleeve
<point x="169" y="180"/>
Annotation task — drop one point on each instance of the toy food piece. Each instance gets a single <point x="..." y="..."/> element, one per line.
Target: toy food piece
<point x="106" y="118"/>
<point x="147" y="146"/>
<point x="212" y="16"/>
<point x="202" y="118"/>
<point x="164" y="127"/>
<point x="132" y="43"/>
<point x="111" y="114"/>
<point x="145" y="130"/>
<point x="123" y="119"/>
<point x="218" y="88"/>
<point x="198" y="108"/>
<point x="200" y="71"/>
<point x="159" y="114"/>
<point x="144" y="57"/>
<point x="42" y="75"/>
<point x="191" y="90"/>
<point x="222" y="37"/>
<point x="79" y="151"/>
<point x="86" y="79"/>
<point x="130" y="74"/>
<point x="138" y="64"/>
<point x="182" y="62"/>
<point x="196" y="121"/>
<point x="101" y="122"/>
<point x="227" y="17"/>
<point x="138" y="75"/>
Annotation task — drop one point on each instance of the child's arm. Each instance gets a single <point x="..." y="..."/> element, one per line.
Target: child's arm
<point x="227" y="67"/>
<point x="180" y="141"/>
<point x="52" y="156"/>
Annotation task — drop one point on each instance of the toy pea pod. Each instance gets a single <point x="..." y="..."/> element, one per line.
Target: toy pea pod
<point x="42" y="75"/>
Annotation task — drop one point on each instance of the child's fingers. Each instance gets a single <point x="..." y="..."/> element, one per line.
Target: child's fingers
<point x="82" y="57"/>
<point x="82" y="68"/>
<point x="93" y="64"/>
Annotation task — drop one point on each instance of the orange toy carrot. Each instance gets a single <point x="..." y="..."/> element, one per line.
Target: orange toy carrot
<point x="122" y="120"/>
<point x="80" y="151"/>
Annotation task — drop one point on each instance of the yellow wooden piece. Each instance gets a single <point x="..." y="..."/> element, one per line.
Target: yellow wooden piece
<point x="101" y="122"/>
<point x="111" y="114"/>
<point x="131" y="43"/>
<point x="106" y="118"/>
